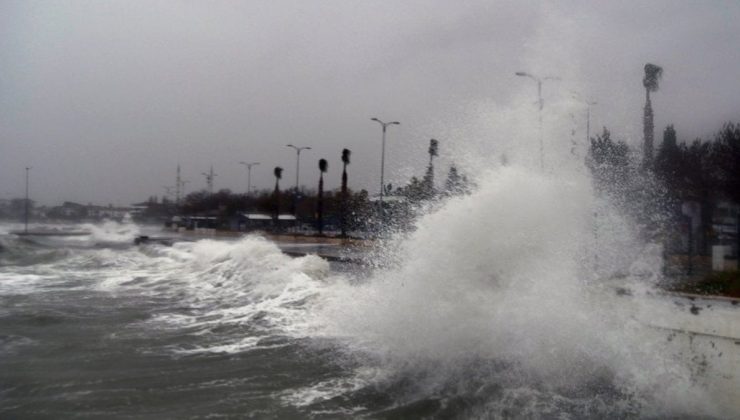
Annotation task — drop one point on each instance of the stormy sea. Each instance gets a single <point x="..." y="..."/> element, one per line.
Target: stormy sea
<point x="499" y="314"/>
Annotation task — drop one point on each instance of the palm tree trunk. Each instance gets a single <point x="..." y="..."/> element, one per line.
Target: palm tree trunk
<point x="276" y="206"/>
<point x="320" y="209"/>
<point x="344" y="202"/>
<point x="648" y="132"/>
<point x="737" y="242"/>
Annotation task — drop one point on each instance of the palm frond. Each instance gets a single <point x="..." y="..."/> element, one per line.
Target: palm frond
<point x="653" y="73"/>
<point x="345" y="156"/>
<point x="433" y="146"/>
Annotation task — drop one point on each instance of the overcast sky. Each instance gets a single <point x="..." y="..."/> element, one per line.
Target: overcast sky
<point x="104" y="98"/>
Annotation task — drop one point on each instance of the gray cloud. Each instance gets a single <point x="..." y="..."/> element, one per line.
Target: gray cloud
<point x="103" y="99"/>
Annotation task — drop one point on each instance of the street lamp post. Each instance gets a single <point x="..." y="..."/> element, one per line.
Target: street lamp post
<point x="588" y="104"/>
<point x="382" y="157"/>
<point x="298" y="151"/>
<point x="595" y="227"/>
<point x="28" y="168"/>
<point x="209" y="179"/>
<point x="249" y="175"/>
<point x="541" y="104"/>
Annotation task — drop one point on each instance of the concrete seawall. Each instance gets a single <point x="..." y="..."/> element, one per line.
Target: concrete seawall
<point x="704" y="333"/>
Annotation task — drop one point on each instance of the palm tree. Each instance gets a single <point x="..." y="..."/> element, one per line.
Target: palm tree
<point x="653" y="74"/>
<point x="429" y="177"/>
<point x="323" y="166"/>
<point x="345" y="161"/>
<point x="278" y="171"/>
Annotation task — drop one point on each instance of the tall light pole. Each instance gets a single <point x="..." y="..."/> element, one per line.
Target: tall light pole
<point x="298" y="151"/>
<point x="595" y="228"/>
<point x="28" y="168"/>
<point x="589" y="103"/>
<point x="249" y="174"/>
<point x="541" y="104"/>
<point x="209" y="179"/>
<point x="382" y="156"/>
<point x="178" y="186"/>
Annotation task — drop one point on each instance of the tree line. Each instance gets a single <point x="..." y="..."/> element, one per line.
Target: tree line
<point x="343" y="209"/>
<point x="653" y="192"/>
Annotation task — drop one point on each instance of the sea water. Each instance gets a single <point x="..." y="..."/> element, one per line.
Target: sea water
<point x="489" y="308"/>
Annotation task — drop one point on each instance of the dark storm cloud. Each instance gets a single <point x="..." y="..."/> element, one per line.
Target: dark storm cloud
<point x="103" y="99"/>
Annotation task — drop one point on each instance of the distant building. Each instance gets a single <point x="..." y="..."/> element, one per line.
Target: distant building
<point x="68" y="210"/>
<point x="110" y="212"/>
<point x="75" y="211"/>
<point x="260" y="221"/>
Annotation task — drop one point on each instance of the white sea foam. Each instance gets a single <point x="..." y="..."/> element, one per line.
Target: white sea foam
<point x="505" y="280"/>
<point x="249" y="284"/>
<point x="111" y="231"/>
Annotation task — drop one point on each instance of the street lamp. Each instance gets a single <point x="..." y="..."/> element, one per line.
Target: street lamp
<point x="595" y="228"/>
<point x="588" y="104"/>
<point x="249" y="174"/>
<point x="298" y="151"/>
<point x="209" y="179"/>
<point x="541" y="104"/>
<point x="28" y="168"/>
<point x="382" y="156"/>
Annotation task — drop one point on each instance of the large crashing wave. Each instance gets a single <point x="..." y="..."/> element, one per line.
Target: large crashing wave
<point x="493" y="305"/>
